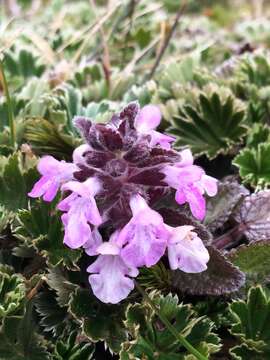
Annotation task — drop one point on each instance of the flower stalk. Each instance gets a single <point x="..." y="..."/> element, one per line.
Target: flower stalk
<point x="169" y="326"/>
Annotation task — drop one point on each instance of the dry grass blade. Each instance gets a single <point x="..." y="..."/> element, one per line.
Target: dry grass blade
<point x="96" y="28"/>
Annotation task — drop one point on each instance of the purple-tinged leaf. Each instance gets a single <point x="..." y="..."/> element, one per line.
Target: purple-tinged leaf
<point x="221" y="277"/>
<point x="253" y="214"/>
<point x="220" y="207"/>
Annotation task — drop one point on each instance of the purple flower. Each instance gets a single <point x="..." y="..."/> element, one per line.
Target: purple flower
<point x="81" y="211"/>
<point x="190" y="182"/>
<point x="144" y="237"/>
<point x="124" y="166"/>
<point x="146" y="122"/>
<point x="186" y="250"/>
<point x="54" y="174"/>
<point x="90" y="247"/>
<point x="110" y="279"/>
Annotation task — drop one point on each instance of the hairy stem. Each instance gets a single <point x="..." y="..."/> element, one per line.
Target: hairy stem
<point x="9" y="105"/>
<point x="169" y="326"/>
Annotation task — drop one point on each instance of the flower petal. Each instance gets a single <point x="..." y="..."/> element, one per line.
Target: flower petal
<point x="186" y="158"/>
<point x="91" y="246"/>
<point x="188" y="255"/>
<point x="110" y="281"/>
<point x="196" y="201"/>
<point x="144" y="237"/>
<point x="148" y="119"/>
<point x="209" y="184"/>
<point x="163" y="140"/>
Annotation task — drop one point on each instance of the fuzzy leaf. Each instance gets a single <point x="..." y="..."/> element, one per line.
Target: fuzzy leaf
<point x="250" y="322"/>
<point x="221" y="277"/>
<point x="253" y="216"/>
<point x="220" y="207"/>
<point x="253" y="259"/>
<point x="99" y="321"/>
<point x="149" y="338"/>
<point x="254" y="164"/>
<point x="41" y="227"/>
<point x="214" y="126"/>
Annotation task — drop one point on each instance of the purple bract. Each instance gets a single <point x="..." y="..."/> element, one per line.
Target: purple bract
<point x="110" y="192"/>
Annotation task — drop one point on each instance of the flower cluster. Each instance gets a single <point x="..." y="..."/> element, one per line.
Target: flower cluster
<point x="110" y="195"/>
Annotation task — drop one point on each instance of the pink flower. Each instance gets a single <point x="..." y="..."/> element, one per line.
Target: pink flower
<point x="186" y="250"/>
<point x="111" y="278"/>
<point x="81" y="211"/>
<point x="190" y="182"/>
<point x="146" y="122"/>
<point x="54" y="174"/>
<point x="144" y="237"/>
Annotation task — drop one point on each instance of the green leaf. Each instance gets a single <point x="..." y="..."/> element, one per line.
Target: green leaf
<point x="254" y="165"/>
<point x="149" y="339"/>
<point x="23" y="62"/>
<point x="221" y="277"/>
<point x="250" y="323"/>
<point x="53" y="318"/>
<point x="12" y="291"/>
<point x="41" y="228"/>
<point x="253" y="259"/>
<point x="156" y="277"/>
<point x="15" y="183"/>
<point x="46" y="138"/>
<point x="257" y="135"/>
<point x="215" y="125"/>
<point x="58" y="280"/>
<point x="73" y="350"/>
<point x="19" y="340"/>
<point x="99" y="321"/>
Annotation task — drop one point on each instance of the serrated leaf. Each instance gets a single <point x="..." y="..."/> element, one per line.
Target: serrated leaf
<point x="257" y="135"/>
<point x="15" y="184"/>
<point x="243" y="352"/>
<point x="99" y="321"/>
<point x="58" y="280"/>
<point x="250" y="322"/>
<point x="41" y="228"/>
<point x="253" y="259"/>
<point x="45" y="138"/>
<point x="212" y="127"/>
<point x="150" y="339"/>
<point x="53" y="318"/>
<point x="73" y="350"/>
<point x="220" y="207"/>
<point x="22" y="62"/>
<point x="221" y="277"/>
<point x="19" y="340"/>
<point x="254" y="165"/>
<point x="252" y="215"/>
<point x="12" y="291"/>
